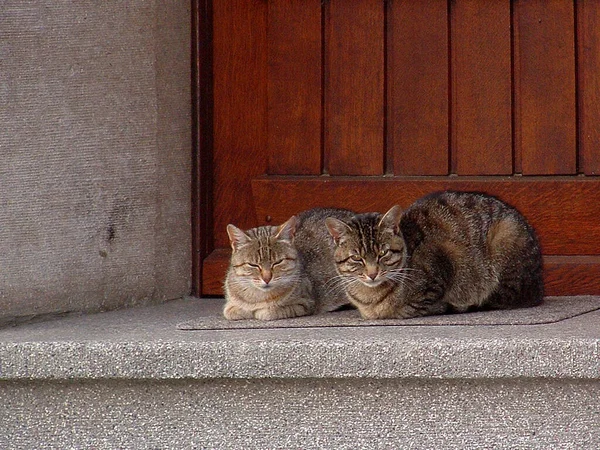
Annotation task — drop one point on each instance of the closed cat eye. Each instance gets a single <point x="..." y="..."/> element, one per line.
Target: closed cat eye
<point x="254" y="266"/>
<point x="283" y="260"/>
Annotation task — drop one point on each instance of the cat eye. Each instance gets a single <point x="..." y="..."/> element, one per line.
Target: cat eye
<point x="384" y="252"/>
<point x="254" y="266"/>
<point x="356" y="258"/>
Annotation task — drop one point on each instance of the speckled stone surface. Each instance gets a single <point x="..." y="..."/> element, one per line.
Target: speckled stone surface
<point x="301" y="414"/>
<point x="131" y="379"/>
<point x="145" y="343"/>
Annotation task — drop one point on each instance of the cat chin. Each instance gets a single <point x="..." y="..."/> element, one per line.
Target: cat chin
<point x="265" y="287"/>
<point x="372" y="283"/>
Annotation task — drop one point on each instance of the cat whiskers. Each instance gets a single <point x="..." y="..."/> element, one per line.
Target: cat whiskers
<point x="402" y="276"/>
<point x="339" y="284"/>
<point x="244" y="285"/>
<point x="243" y="282"/>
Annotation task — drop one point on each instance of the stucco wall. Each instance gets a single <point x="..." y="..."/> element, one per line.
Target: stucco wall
<point x="94" y="154"/>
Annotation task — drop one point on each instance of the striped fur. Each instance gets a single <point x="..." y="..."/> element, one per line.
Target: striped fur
<point x="282" y="272"/>
<point x="448" y="252"/>
<point x="266" y="278"/>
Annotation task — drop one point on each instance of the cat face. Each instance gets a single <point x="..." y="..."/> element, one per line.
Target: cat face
<point x="369" y="248"/>
<point x="264" y="258"/>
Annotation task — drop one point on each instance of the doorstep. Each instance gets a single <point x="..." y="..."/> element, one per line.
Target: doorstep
<point x="145" y="343"/>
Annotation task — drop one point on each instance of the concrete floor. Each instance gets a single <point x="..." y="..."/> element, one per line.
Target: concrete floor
<point x="132" y="379"/>
<point x="146" y="343"/>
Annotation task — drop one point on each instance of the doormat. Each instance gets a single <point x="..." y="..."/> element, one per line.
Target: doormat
<point x="554" y="309"/>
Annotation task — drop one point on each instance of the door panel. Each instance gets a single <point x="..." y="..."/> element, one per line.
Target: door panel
<point x="545" y="87"/>
<point x="364" y="103"/>
<point x="564" y="212"/>
<point x="294" y="102"/>
<point x="481" y="88"/>
<point x="417" y="88"/>
<point x="354" y="95"/>
<point x="588" y="64"/>
<point x="240" y="104"/>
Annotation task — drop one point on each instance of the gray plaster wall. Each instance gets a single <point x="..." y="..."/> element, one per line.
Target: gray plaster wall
<point x="95" y="154"/>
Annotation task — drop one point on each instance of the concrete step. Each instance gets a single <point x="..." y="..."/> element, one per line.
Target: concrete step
<point x="131" y="379"/>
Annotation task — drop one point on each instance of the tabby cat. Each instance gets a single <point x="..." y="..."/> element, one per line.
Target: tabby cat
<point x="266" y="278"/>
<point x="317" y="246"/>
<point x="282" y="272"/>
<point x="448" y="252"/>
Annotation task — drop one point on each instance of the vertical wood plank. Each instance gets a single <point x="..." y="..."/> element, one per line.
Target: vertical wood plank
<point x="240" y="110"/>
<point x="354" y="98"/>
<point x="418" y="87"/>
<point x="588" y="51"/>
<point x="481" y="128"/>
<point x="294" y="87"/>
<point x="545" y="117"/>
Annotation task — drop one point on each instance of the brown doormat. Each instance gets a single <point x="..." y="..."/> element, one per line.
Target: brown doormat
<point x="554" y="309"/>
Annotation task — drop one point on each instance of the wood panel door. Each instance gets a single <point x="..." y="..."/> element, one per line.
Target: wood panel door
<point x="363" y="104"/>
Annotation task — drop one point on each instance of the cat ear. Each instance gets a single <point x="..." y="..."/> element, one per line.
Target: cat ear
<point x="237" y="237"/>
<point x="287" y="230"/>
<point x="337" y="229"/>
<point x="391" y="219"/>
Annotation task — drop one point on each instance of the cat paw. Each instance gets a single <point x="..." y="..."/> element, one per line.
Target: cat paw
<point x="301" y="310"/>
<point x="232" y="312"/>
<point x="369" y="315"/>
<point x="372" y="315"/>
<point x="265" y="314"/>
<point x="284" y="312"/>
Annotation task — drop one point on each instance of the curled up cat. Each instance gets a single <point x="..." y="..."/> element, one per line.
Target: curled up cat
<point x="266" y="279"/>
<point x="448" y="252"/>
<point x="282" y="272"/>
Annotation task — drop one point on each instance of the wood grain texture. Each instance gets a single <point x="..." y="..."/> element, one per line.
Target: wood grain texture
<point x="354" y="97"/>
<point x="294" y="87"/>
<point x="240" y="110"/>
<point x="572" y="275"/>
<point x="544" y="73"/>
<point x="563" y="275"/>
<point x="417" y="81"/>
<point x="481" y="127"/>
<point x="564" y="210"/>
<point x="214" y="270"/>
<point x="588" y="51"/>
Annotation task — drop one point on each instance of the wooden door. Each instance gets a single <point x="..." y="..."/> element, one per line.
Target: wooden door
<point x="363" y="104"/>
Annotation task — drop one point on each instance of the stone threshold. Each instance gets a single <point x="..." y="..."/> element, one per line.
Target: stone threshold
<point x="145" y="343"/>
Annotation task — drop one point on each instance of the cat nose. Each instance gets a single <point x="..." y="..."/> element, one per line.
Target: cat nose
<point x="266" y="275"/>
<point x="372" y="272"/>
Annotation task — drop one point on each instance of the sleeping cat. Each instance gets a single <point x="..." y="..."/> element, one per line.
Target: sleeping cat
<point x="266" y="279"/>
<point x="317" y="246"/>
<point x="448" y="252"/>
<point x="282" y="272"/>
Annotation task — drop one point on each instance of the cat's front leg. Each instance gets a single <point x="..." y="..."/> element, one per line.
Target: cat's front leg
<point x="417" y="309"/>
<point x="282" y="312"/>
<point x="234" y="312"/>
<point x="428" y="302"/>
